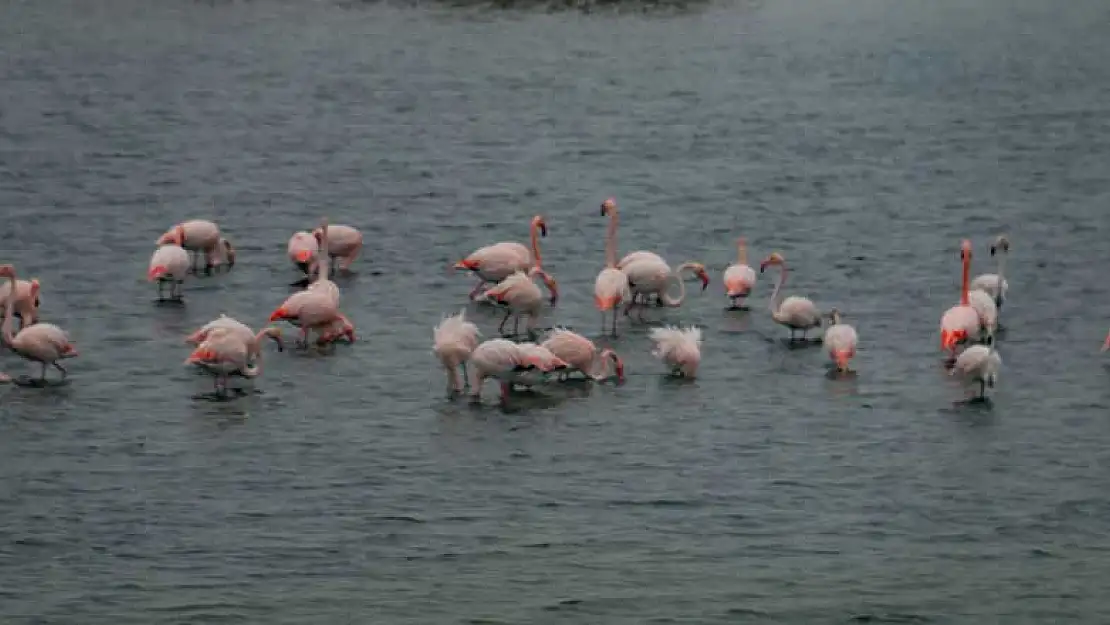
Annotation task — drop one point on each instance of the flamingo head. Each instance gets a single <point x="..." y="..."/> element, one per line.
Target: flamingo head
<point x="699" y="271"/>
<point x="319" y="231"/>
<point x="274" y="334"/>
<point x="834" y="316"/>
<point x="548" y="281"/>
<point x="539" y="222"/>
<point x="965" y="251"/>
<point x="1106" y="344"/>
<point x="1001" y="244"/>
<point x="69" y="350"/>
<point x="608" y="207"/>
<point x="773" y="259"/>
<point x="303" y="257"/>
<point x="618" y="364"/>
<point x="35" y="287"/>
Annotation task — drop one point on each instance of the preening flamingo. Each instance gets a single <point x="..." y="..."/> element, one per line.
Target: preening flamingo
<point x="522" y="297"/>
<point x="341" y="242"/>
<point x="494" y="263"/>
<point x="242" y="330"/>
<point x="500" y="359"/>
<point x="978" y="363"/>
<point x="961" y="322"/>
<point x="25" y="303"/>
<point x="632" y="257"/>
<point x="794" y="312"/>
<point x="201" y="235"/>
<point x="44" y="343"/>
<point x="583" y="356"/>
<point x="455" y="339"/>
<point x="648" y="276"/>
<point x="678" y="348"/>
<point x="995" y="283"/>
<point x="840" y="341"/>
<point x="611" y="287"/>
<point x="302" y="250"/>
<point x="169" y="263"/>
<point x="739" y="278"/>
<point x="224" y="353"/>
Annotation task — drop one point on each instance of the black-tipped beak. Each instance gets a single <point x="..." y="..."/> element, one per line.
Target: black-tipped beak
<point x="543" y="230"/>
<point x="992" y="250"/>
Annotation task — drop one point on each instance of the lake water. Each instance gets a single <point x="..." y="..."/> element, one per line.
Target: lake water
<point x="862" y="139"/>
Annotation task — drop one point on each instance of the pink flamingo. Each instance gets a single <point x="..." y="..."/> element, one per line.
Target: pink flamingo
<point x="611" y="287"/>
<point x="455" y="339"/>
<point x="679" y="348"/>
<point x="201" y="235"/>
<point x="961" y="322"/>
<point x="583" y="356"/>
<point x="648" y="277"/>
<point x="995" y="283"/>
<point x="840" y="341"/>
<point x="169" y="263"/>
<point x="341" y="242"/>
<point x="25" y="301"/>
<point x="314" y="310"/>
<point x="224" y="353"/>
<point x="502" y="359"/>
<point x="739" y="278"/>
<point x="302" y="249"/>
<point x="44" y="343"/>
<point x="240" y="329"/>
<point x="494" y="263"/>
<point x="321" y="266"/>
<point x="794" y="312"/>
<point x="522" y="297"/>
<point x="978" y="363"/>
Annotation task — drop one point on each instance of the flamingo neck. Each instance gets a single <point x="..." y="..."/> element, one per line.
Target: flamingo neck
<point x="673" y="302"/>
<point x="1001" y="269"/>
<point x="776" y="295"/>
<point x="536" y="259"/>
<point x="6" y="331"/>
<point x="966" y="279"/>
<point x="742" y="253"/>
<point x="611" y="241"/>
<point x="323" y="258"/>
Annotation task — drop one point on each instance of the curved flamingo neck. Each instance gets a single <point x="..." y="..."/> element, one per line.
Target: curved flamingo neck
<point x="776" y="296"/>
<point x="536" y="259"/>
<point x="668" y="300"/>
<point x="611" y="240"/>
<point x="966" y="280"/>
<point x="6" y="331"/>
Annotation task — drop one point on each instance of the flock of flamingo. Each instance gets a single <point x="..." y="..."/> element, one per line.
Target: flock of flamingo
<point x="506" y="274"/>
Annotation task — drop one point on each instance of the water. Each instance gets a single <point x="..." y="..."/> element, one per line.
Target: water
<point x="862" y="139"/>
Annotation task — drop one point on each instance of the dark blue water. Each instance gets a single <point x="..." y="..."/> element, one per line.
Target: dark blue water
<point x="861" y="139"/>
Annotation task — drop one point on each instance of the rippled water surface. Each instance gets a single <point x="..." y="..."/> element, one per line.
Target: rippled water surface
<point x="861" y="139"/>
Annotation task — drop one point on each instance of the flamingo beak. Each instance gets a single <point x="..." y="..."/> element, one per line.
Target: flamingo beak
<point x="620" y="369"/>
<point x="156" y="272"/>
<point x="704" y="280"/>
<point x="201" y="355"/>
<point x="543" y="229"/>
<point x="762" y="266"/>
<point x="993" y="247"/>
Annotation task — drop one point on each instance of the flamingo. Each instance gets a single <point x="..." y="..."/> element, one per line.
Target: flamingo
<point x="538" y="357"/>
<point x="985" y="308"/>
<point x="321" y="266"/>
<point x="44" y="343"/>
<point x="25" y="302"/>
<point x="314" y="310"/>
<point x="224" y="353"/>
<point x="302" y="249"/>
<point x="840" y="341"/>
<point x="583" y="356"/>
<point x="455" y="339"/>
<point x="494" y="263"/>
<point x="960" y="322"/>
<point x="978" y="363"/>
<point x="242" y="330"/>
<point x="995" y="283"/>
<point x="201" y="235"/>
<point x="522" y="297"/>
<point x="169" y="263"/>
<point x="678" y="348"/>
<point x="739" y="278"/>
<point x="637" y="256"/>
<point x="611" y="287"/>
<point x="794" y="312"/>
<point x="500" y="359"/>
<point x="648" y="276"/>
<point x="340" y="241"/>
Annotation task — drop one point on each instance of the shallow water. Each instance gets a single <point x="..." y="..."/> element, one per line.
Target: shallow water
<point x="860" y="139"/>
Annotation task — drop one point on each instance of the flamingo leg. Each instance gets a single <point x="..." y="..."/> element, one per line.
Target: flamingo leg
<point x="43" y="376"/>
<point x="504" y="392"/>
<point x="466" y="378"/>
<point x="614" y="322"/>
<point x="516" y="325"/>
<point x="501" y="328"/>
<point x="160" y="285"/>
<point x="59" y="367"/>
